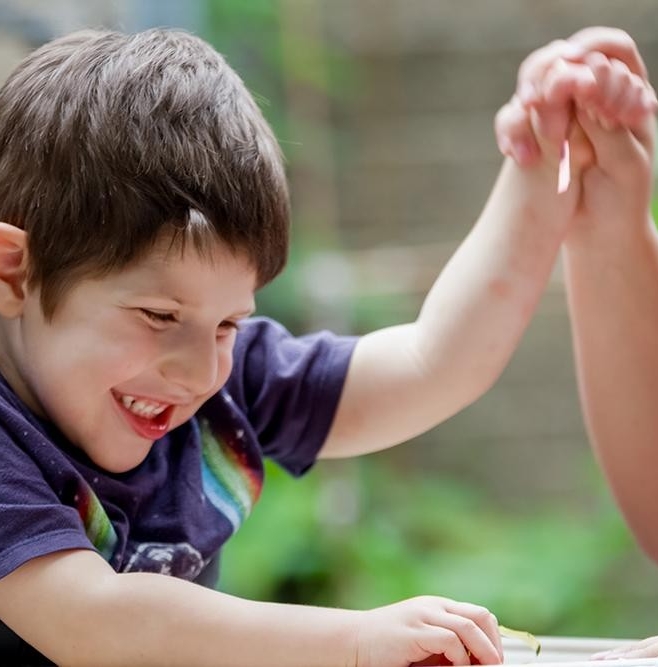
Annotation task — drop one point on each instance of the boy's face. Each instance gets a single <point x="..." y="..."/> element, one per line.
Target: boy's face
<point x="128" y="357"/>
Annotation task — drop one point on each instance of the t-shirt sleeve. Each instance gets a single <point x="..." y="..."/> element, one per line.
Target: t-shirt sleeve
<point x="289" y="388"/>
<point x="34" y="522"/>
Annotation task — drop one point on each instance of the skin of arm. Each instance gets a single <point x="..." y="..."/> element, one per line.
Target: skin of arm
<point x="76" y="610"/>
<point x="610" y="258"/>
<point x="405" y="379"/>
<point x="151" y="619"/>
<point x="611" y="270"/>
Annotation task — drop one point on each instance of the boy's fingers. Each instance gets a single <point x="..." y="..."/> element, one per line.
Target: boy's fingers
<point x="514" y="133"/>
<point x="485" y="622"/>
<point x="613" y="43"/>
<point x="535" y="66"/>
<point x="565" y="82"/>
<point x="551" y="125"/>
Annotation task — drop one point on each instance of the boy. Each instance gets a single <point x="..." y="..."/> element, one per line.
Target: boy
<point x="611" y="269"/>
<point x="143" y="202"/>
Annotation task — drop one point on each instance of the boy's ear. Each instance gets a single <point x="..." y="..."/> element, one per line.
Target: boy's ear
<point x="13" y="269"/>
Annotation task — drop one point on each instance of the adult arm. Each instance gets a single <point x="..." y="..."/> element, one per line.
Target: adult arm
<point x="611" y="267"/>
<point x="610" y="253"/>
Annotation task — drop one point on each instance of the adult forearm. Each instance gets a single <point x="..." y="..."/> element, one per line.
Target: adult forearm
<point x="612" y="282"/>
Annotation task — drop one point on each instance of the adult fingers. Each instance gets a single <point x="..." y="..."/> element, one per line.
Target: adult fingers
<point x="647" y="648"/>
<point x="619" y="96"/>
<point x="614" y="148"/>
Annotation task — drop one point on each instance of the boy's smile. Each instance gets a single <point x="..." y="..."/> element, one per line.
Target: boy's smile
<point x="128" y="357"/>
<point x="148" y="418"/>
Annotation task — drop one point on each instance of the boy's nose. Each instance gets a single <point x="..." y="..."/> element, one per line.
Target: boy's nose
<point x="197" y="366"/>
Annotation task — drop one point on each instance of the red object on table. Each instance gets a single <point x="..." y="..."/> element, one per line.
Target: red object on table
<point x="440" y="661"/>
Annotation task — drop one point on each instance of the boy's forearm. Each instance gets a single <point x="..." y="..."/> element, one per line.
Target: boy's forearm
<point x="73" y="608"/>
<point x="469" y="325"/>
<point x="491" y="286"/>
<point x="184" y="624"/>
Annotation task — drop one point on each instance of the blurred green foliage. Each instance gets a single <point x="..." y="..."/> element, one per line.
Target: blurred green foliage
<point x="360" y="534"/>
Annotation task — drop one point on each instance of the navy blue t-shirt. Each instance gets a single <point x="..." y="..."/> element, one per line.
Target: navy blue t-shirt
<point x="173" y="513"/>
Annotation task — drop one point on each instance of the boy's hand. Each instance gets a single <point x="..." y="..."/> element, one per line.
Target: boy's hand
<point x="428" y="631"/>
<point x="598" y="69"/>
<point x="603" y="105"/>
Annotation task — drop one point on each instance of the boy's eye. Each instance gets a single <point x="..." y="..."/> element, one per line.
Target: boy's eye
<point x="156" y="316"/>
<point x="228" y="325"/>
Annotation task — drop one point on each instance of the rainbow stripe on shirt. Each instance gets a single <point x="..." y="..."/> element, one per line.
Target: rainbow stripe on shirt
<point x="232" y="476"/>
<point x="98" y="527"/>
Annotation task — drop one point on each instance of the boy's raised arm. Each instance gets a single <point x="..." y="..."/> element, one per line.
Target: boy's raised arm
<point x="404" y="380"/>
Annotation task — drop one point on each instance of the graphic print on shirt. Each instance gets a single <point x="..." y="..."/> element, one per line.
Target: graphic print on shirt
<point x="231" y="477"/>
<point x="231" y="470"/>
<point x="180" y="560"/>
<point x="98" y="527"/>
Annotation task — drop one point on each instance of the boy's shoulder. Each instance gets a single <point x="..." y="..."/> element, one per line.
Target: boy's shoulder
<point x="267" y="352"/>
<point x="14" y="414"/>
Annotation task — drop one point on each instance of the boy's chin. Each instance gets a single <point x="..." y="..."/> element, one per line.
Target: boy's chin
<point x="118" y="464"/>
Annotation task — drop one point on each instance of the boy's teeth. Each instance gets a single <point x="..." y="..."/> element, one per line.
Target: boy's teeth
<point x="127" y="400"/>
<point x="142" y="408"/>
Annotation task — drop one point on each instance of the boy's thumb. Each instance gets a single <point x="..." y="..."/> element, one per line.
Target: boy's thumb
<point x="550" y="127"/>
<point x="581" y="150"/>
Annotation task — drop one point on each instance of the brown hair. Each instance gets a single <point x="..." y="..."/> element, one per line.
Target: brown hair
<point x="107" y="140"/>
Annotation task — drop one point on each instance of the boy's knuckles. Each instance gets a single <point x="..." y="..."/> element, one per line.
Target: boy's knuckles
<point x="464" y="626"/>
<point x="482" y="616"/>
<point x="539" y="61"/>
<point x="511" y="124"/>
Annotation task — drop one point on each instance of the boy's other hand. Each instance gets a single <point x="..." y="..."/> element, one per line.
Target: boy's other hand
<point x="428" y="630"/>
<point x="598" y="70"/>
